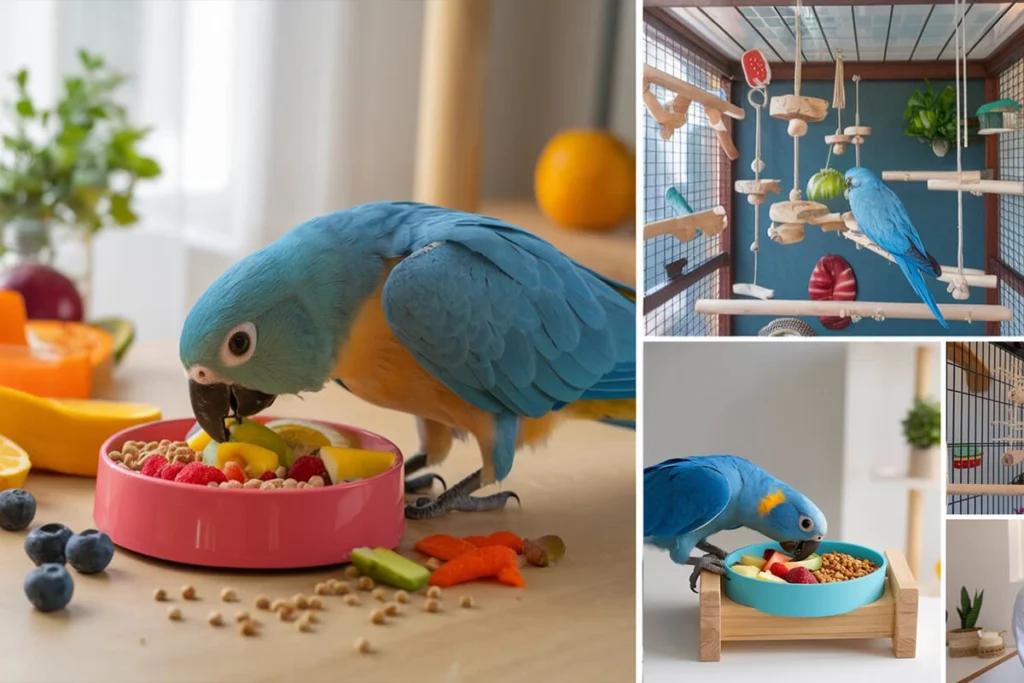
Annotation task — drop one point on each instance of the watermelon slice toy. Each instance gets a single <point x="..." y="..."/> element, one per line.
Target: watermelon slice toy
<point x="756" y="69"/>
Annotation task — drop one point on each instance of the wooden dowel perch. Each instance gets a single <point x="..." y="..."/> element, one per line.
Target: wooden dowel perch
<point x="724" y="139"/>
<point x="974" y="277"/>
<point x="880" y="310"/>
<point x="691" y="92"/>
<point x="1011" y="187"/>
<point x="673" y="116"/>
<point x="684" y="228"/>
<point x="921" y="176"/>
<point x="984" y="489"/>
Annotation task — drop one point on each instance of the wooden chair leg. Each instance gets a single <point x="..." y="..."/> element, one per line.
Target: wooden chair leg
<point x="905" y="595"/>
<point x="710" y="617"/>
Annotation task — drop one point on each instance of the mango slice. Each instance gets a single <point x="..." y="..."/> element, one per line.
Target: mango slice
<point x="254" y="459"/>
<point x="354" y="463"/>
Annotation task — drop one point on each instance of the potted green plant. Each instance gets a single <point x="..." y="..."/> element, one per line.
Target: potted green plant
<point x="74" y="165"/>
<point x="931" y="117"/>
<point x="922" y="429"/>
<point x="963" y="642"/>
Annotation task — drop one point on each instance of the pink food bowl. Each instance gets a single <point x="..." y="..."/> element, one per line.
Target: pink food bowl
<point x="243" y="528"/>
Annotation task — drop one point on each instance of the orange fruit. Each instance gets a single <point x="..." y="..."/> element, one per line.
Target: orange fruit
<point x="585" y="179"/>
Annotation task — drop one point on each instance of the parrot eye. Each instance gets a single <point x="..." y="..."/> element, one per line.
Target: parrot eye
<point x="239" y="345"/>
<point x="806" y="523"/>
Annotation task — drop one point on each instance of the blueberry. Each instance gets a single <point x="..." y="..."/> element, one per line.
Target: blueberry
<point x="49" y="587"/>
<point x="90" y="551"/>
<point x="46" y="544"/>
<point x="17" y="509"/>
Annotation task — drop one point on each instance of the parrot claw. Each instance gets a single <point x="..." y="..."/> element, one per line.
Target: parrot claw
<point x="424" y="481"/>
<point x="712" y="549"/>
<point x="708" y="562"/>
<point x="458" y="499"/>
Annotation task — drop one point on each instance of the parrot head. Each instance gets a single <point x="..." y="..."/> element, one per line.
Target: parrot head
<point x="791" y="518"/>
<point x="271" y="325"/>
<point x="858" y="177"/>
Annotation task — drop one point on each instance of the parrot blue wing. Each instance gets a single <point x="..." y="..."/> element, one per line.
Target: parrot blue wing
<point x="885" y="218"/>
<point x="505" y="320"/>
<point x="682" y="495"/>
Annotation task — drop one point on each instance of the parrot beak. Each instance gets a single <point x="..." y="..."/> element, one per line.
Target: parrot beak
<point x="212" y="404"/>
<point x="801" y="550"/>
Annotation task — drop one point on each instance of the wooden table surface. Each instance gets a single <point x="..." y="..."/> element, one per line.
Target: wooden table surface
<point x="573" y="622"/>
<point x="964" y="669"/>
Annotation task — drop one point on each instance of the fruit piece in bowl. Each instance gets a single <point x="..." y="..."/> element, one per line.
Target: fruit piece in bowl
<point x="304" y="437"/>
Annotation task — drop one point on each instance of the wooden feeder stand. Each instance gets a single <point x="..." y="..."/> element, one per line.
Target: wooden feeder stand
<point x="893" y="616"/>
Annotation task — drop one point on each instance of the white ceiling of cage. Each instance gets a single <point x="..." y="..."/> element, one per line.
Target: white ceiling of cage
<point x="872" y="33"/>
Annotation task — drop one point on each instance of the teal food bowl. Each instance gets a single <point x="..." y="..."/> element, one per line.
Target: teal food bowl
<point x="807" y="600"/>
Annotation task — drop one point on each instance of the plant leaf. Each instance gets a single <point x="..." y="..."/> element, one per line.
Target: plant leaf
<point x="120" y="209"/>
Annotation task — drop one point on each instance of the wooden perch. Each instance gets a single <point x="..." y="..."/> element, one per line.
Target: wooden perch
<point x="1012" y="187"/>
<point x="684" y="228"/>
<point x="788" y="107"/>
<point x="724" y="139"/>
<point x="974" y="277"/>
<point x="671" y="118"/>
<point x="975" y="372"/>
<point x="862" y="309"/>
<point x="984" y="489"/>
<point x="916" y="176"/>
<point x="796" y="212"/>
<point x="762" y="186"/>
<point x="652" y="75"/>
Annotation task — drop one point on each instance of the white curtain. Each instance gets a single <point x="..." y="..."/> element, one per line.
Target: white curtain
<point x="266" y="113"/>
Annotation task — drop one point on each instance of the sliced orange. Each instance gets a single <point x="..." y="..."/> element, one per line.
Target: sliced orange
<point x="14" y="465"/>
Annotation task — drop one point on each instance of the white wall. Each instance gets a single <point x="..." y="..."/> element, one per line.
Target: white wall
<point x="978" y="558"/>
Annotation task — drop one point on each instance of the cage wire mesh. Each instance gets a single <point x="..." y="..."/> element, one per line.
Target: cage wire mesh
<point x="1011" y="208"/>
<point x="687" y="161"/>
<point x="984" y="420"/>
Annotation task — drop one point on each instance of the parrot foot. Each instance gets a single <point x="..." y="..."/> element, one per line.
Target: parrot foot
<point x="423" y="481"/>
<point x="709" y="563"/>
<point x="712" y="549"/>
<point x="458" y="499"/>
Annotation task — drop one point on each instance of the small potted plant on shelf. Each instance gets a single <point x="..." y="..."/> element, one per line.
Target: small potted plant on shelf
<point x="922" y="428"/>
<point x="963" y="642"/>
<point x="931" y="117"/>
<point x="70" y="170"/>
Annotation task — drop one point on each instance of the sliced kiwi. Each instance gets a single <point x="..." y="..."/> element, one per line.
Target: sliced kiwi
<point x="123" y="332"/>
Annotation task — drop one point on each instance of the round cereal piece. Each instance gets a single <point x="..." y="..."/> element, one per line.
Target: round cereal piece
<point x="291" y="484"/>
<point x="466" y="601"/>
<point x="380" y="595"/>
<point x="253" y="484"/>
<point x="362" y="646"/>
<point x="267" y="485"/>
<point x="342" y="588"/>
<point x="233" y="484"/>
<point x="391" y="609"/>
<point x="212" y="485"/>
<point x="281" y="472"/>
<point x="286" y="615"/>
<point x="215" y="619"/>
<point x="300" y="601"/>
<point x="247" y="628"/>
<point x="262" y="602"/>
<point x="316" y="481"/>
<point x="188" y="592"/>
<point x="365" y="583"/>
<point x="352" y="599"/>
<point x="434" y="592"/>
<point x="116" y="456"/>
<point x="159" y="595"/>
<point x="228" y="595"/>
<point x="303" y="626"/>
<point x="311" y="617"/>
<point x="378" y="616"/>
<point x="174" y="614"/>
<point x="322" y="589"/>
<point x="432" y="605"/>
<point x="315" y="603"/>
<point x="433" y="564"/>
<point x="352" y="572"/>
<point x="402" y="597"/>
<point x="278" y="605"/>
<point x="242" y="615"/>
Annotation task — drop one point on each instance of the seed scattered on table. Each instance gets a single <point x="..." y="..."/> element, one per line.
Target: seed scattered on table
<point x="352" y="599"/>
<point x="432" y="605"/>
<point x="300" y="601"/>
<point x="341" y="588"/>
<point x="242" y="616"/>
<point x="215" y="619"/>
<point x="311" y="617"/>
<point x="174" y="614"/>
<point x="262" y="602"/>
<point x="391" y="609"/>
<point x="362" y="646"/>
<point x="378" y="617"/>
<point x="402" y="597"/>
<point x="188" y="592"/>
<point x="380" y="595"/>
<point x="433" y="564"/>
<point x="159" y="595"/>
<point x="304" y="625"/>
<point x="352" y="572"/>
<point x="247" y="628"/>
<point x="315" y="603"/>
<point x="434" y="592"/>
<point x="322" y="589"/>
<point x="285" y="615"/>
<point x="229" y="595"/>
<point x="466" y="601"/>
<point x="365" y="583"/>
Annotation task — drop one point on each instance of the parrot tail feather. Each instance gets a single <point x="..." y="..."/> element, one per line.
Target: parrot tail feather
<point x="620" y="412"/>
<point x="916" y="280"/>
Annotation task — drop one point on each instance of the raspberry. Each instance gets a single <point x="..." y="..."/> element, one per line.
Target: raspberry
<point x="153" y="465"/>
<point x="267" y="476"/>
<point x="779" y="570"/>
<point x="234" y="472"/>
<point x="171" y="471"/>
<point x="798" y="575"/>
<point x="200" y="473"/>
<point x="766" y="554"/>
<point x="306" y="467"/>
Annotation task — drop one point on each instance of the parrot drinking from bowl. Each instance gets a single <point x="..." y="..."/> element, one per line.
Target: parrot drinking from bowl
<point x="688" y="500"/>
<point x="472" y="325"/>
<point x="882" y="217"/>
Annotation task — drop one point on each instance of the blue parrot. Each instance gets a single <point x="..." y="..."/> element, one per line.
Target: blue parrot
<point x="883" y="218"/>
<point x="687" y="500"/>
<point x="466" y="322"/>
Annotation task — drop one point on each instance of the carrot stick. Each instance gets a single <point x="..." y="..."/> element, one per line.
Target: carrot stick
<point x="479" y="564"/>
<point x="478" y="541"/>
<point x="510" y="576"/>
<point x="507" y="539"/>
<point x="443" y="546"/>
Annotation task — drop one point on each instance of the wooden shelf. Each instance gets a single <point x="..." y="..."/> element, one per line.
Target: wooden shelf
<point x="684" y="228"/>
<point x="1010" y="187"/>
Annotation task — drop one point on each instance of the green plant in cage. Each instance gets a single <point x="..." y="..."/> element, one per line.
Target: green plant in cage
<point x="931" y="117"/>
<point x="923" y="424"/>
